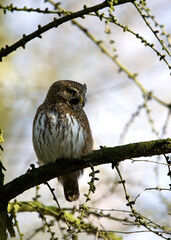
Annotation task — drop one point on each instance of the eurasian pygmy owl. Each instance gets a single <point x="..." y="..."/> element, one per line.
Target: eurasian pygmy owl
<point x="61" y="130"/>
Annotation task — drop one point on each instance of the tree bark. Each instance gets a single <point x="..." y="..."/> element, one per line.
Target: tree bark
<point x="3" y="207"/>
<point x="3" y="222"/>
<point x="114" y="155"/>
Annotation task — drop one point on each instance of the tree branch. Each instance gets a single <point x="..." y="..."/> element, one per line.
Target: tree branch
<point x="54" y="24"/>
<point x="105" y="155"/>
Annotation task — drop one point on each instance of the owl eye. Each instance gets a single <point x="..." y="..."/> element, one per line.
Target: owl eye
<point x="70" y="91"/>
<point x="74" y="101"/>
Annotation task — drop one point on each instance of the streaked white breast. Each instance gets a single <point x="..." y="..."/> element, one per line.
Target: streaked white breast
<point x="60" y="139"/>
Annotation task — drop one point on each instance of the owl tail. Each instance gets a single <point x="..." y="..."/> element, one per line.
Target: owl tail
<point x="70" y="184"/>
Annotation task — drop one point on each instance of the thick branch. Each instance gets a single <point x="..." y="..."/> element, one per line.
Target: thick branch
<point x="113" y="155"/>
<point x="54" y="24"/>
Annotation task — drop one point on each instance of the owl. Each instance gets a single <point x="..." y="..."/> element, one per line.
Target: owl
<point x="61" y="130"/>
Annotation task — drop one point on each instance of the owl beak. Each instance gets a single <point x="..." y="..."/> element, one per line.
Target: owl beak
<point x="82" y="100"/>
<point x="78" y="103"/>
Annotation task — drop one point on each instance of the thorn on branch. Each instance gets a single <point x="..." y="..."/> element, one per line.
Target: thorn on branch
<point x="85" y="7"/>
<point x="57" y="5"/>
<point x="122" y="182"/>
<point x="162" y="57"/>
<point x="135" y="75"/>
<point x="39" y="28"/>
<point x="56" y="22"/>
<point x="101" y="16"/>
<point x="156" y="31"/>
<point x="46" y="10"/>
<point x="2" y="167"/>
<point x="32" y="167"/>
<point x="114" y="164"/>
<point x="6" y="47"/>
<point x="97" y="13"/>
<point x="130" y="203"/>
<point x="125" y="28"/>
<point x="24" y="40"/>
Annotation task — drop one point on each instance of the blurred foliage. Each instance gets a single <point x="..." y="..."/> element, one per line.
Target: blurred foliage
<point x="1" y="136"/>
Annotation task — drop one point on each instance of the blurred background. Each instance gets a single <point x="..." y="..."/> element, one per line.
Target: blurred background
<point x="112" y="99"/>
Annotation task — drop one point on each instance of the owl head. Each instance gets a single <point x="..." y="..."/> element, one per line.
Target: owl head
<point x="66" y="91"/>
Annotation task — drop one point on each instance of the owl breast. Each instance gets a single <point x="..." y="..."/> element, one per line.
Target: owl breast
<point x="58" y="136"/>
